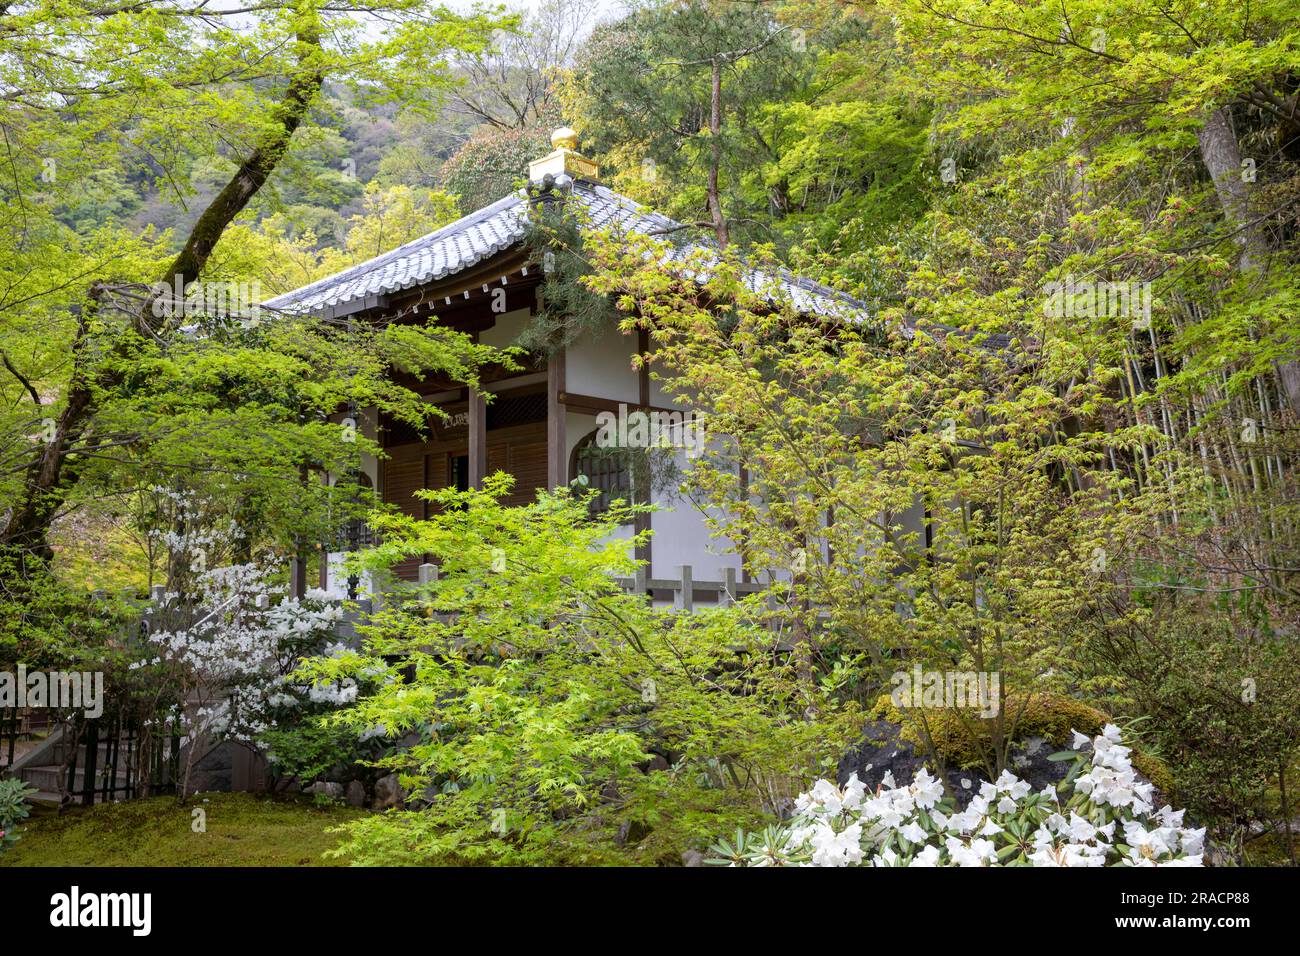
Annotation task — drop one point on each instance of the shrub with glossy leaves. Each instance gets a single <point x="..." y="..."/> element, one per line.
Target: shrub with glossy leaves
<point x="13" y="810"/>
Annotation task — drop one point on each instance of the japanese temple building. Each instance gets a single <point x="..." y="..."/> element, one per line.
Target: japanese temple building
<point x="542" y="423"/>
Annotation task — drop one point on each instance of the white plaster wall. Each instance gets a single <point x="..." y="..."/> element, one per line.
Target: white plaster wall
<point x="337" y="579"/>
<point x="601" y="365"/>
<point x="682" y="537"/>
<point x="368" y="427"/>
<point x="660" y="395"/>
<point x="913" y="520"/>
<point x="507" y="329"/>
<point x="577" y="425"/>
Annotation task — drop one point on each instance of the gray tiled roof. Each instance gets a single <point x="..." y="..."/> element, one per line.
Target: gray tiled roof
<point x="497" y="227"/>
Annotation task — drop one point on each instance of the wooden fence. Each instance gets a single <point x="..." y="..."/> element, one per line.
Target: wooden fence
<point x="116" y="763"/>
<point x="88" y="760"/>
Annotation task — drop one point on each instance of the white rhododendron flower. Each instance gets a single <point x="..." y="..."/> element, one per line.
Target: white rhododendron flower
<point x="927" y="857"/>
<point x="928" y="790"/>
<point x="1100" y="815"/>
<point x="242" y="638"/>
<point x="914" y="832"/>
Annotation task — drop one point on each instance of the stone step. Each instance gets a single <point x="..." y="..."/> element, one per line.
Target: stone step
<point x="48" y="777"/>
<point x="59" y="754"/>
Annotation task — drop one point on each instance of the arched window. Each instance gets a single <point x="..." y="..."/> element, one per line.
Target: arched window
<point x="607" y="470"/>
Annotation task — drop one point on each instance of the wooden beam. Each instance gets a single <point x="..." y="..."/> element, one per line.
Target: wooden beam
<point x="488" y="375"/>
<point x="471" y="314"/>
<point x="728" y="594"/>
<point x="470" y="280"/>
<point x="684" y="595"/>
<point x="592" y="403"/>
<point x="557" y="461"/>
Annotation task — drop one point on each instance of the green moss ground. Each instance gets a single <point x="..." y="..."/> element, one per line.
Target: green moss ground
<point x="242" y="830"/>
<point x="1269" y="850"/>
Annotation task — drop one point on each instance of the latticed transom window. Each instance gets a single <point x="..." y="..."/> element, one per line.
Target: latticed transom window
<point x="508" y="410"/>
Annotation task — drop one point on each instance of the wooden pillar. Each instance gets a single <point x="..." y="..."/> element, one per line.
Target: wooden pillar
<point x="557" y="461"/>
<point x="298" y="576"/>
<point x="643" y="373"/>
<point x="643" y="522"/>
<point x="298" y="565"/>
<point x="744" y="556"/>
<point x="477" y="439"/>
<point x="728" y="594"/>
<point x="684" y="598"/>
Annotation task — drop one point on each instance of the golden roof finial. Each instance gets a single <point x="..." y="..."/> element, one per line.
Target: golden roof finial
<point x="564" y="159"/>
<point x="564" y="138"/>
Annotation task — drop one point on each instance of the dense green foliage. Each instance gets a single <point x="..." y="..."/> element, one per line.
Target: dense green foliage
<point x="805" y="139"/>
<point x="555" y="717"/>
<point x="1109" y="491"/>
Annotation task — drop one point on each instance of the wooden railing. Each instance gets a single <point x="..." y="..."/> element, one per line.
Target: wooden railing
<point x="684" y="588"/>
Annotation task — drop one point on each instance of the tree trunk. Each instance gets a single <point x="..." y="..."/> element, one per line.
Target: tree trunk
<point x="1222" y="158"/>
<point x="257" y="168"/>
<point x="26" y="531"/>
<point x="48" y="479"/>
<point x="715" y="156"/>
<point x="1286" y="811"/>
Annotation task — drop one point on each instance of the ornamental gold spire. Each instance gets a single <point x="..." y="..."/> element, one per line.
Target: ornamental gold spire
<point x="564" y="159"/>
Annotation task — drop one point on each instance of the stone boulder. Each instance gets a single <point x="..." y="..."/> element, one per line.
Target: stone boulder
<point x="388" y="793"/>
<point x="883" y="750"/>
<point x="327" y="788"/>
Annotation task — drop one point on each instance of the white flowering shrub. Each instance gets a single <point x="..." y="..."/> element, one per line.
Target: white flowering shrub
<point x="227" y="651"/>
<point x="1099" y="815"/>
<point x="241" y="645"/>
